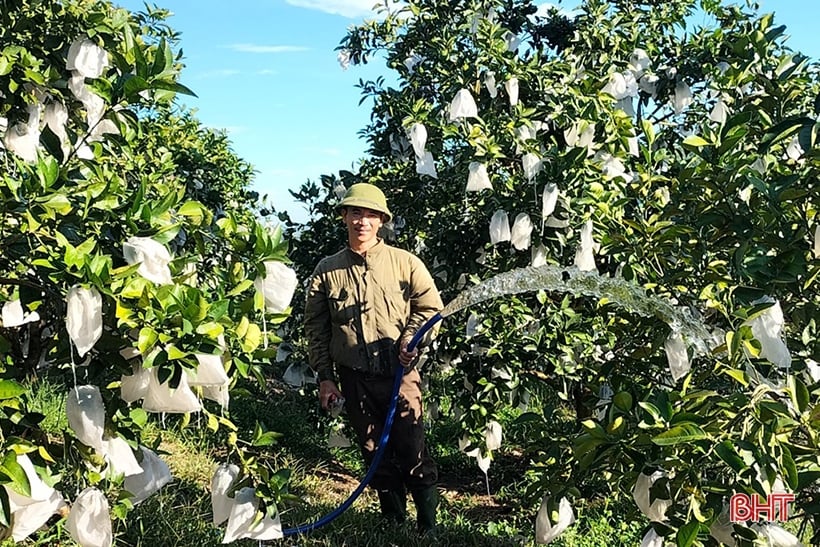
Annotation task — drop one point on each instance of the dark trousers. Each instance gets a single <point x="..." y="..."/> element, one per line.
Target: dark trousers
<point x="406" y="462"/>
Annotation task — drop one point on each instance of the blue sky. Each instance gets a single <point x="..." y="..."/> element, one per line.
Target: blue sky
<point x="266" y="71"/>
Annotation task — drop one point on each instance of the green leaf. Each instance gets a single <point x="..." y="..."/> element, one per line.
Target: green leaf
<point x="807" y="478"/>
<point x="156" y="358"/>
<point x="160" y="57"/>
<point x="727" y="453"/>
<point x="136" y="286"/>
<point x="147" y="338"/>
<point x="218" y="309"/>
<point x="696" y="141"/>
<point x="241" y="287"/>
<point x="681" y="433"/>
<point x="35" y="76"/>
<point x="132" y="86"/>
<point x="5" y="65"/>
<point x="623" y="401"/>
<point x="9" y="389"/>
<point x="732" y="138"/>
<point x="529" y="417"/>
<point x="58" y="203"/>
<point x="107" y="203"/>
<point x="252" y="338"/>
<point x="807" y="136"/>
<point x="738" y="375"/>
<point x="799" y="393"/>
<point x="789" y="467"/>
<point x="594" y="429"/>
<point x="176" y="87"/>
<point x="652" y="410"/>
<point x="211" y="329"/>
<point x="266" y="439"/>
<point x="195" y="211"/>
<point x="87" y="247"/>
<point x="139" y="60"/>
<point x="741" y="119"/>
<point x="782" y="130"/>
<point x="687" y="534"/>
<point x="101" y="87"/>
<point x="139" y="416"/>
<point x="174" y="353"/>
<point x="51" y="143"/>
<point x="649" y="131"/>
<point x="5" y="345"/>
<point x="15" y="472"/>
<point x="5" y="508"/>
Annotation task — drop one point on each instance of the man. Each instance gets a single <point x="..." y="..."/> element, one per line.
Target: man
<point x="364" y="305"/>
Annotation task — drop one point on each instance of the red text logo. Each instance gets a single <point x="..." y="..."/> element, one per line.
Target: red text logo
<point x="775" y="507"/>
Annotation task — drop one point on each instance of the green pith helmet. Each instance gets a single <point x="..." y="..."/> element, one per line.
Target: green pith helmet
<point x="368" y="196"/>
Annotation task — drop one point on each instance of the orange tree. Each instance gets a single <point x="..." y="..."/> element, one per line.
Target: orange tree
<point x="672" y="145"/>
<point x="130" y="245"/>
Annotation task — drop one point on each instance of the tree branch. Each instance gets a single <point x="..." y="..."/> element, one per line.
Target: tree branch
<point x="21" y="283"/>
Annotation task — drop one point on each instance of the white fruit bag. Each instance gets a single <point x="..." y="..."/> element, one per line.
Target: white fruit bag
<point x="655" y="510"/>
<point x="152" y="257"/>
<point x="478" y="179"/>
<point x="221" y="482"/>
<point x="499" y="227"/>
<point x="241" y="523"/>
<point x="83" y="317"/>
<point x="521" y="233"/>
<point x="160" y="397"/>
<point x="277" y="285"/>
<point x="87" y="58"/>
<point x="120" y="458"/>
<point x="86" y="415"/>
<point x="426" y="165"/>
<point x="28" y="519"/>
<point x="417" y="133"/>
<point x="89" y="521"/>
<point x="134" y="387"/>
<point x="545" y="530"/>
<point x="209" y="372"/>
<point x="155" y="474"/>
<point x="463" y="106"/>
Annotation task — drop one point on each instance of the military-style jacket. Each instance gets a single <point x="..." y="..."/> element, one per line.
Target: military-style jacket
<point x="359" y="308"/>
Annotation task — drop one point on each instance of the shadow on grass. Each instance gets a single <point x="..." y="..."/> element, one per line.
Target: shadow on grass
<point x="176" y="516"/>
<point x="297" y="417"/>
<point x="363" y="526"/>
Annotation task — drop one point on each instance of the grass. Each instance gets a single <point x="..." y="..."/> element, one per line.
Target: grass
<point x="47" y="397"/>
<point x="180" y="513"/>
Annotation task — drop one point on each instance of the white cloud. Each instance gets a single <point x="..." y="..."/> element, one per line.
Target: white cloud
<point x="257" y="48"/>
<point x="218" y="73"/>
<point x="345" y="8"/>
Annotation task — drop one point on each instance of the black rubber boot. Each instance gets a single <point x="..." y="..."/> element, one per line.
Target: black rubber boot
<point x="426" y="501"/>
<point x="393" y="504"/>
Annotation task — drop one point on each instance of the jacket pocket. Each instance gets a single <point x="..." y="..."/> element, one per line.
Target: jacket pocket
<point x="343" y="307"/>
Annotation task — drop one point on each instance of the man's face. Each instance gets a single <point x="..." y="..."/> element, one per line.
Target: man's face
<point x="362" y="225"/>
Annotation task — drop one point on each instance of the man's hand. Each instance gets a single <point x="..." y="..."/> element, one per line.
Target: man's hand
<point x="327" y="392"/>
<point x="406" y="358"/>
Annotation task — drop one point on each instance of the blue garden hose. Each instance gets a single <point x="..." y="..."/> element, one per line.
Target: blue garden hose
<point x="377" y="457"/>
